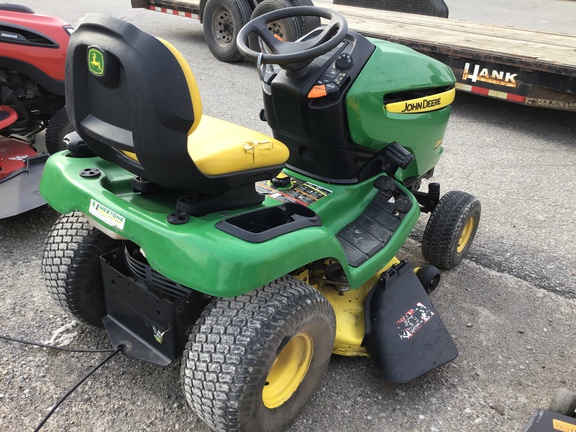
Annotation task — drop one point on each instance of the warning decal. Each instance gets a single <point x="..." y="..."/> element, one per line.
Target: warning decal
<point x="413" y="320"/>
<point x="563" y="426"/>
<point x="298" y="191"/>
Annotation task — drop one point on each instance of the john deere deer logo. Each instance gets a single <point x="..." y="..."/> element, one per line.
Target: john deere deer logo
<point x="96" y="61"/>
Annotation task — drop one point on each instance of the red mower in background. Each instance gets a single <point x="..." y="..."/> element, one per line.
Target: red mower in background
<point x="32" y="59"/>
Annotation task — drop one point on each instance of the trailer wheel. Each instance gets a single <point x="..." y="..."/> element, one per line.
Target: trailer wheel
<point x="71" y="267"/>
<point x="252" y="362"/>
<point x="309" y="23"/>
<point x="223" y="19"/>
<point x="288" y="29"/>
<point x="563" y="402"/>
<point x="451" y="229"/>
<point x="57" y="129"/>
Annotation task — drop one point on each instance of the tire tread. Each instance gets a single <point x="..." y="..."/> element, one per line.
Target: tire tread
<point x="71" y="268"/>
<point x="445" y="227"/>
<point x="58" y="127"/>
<point x="226" y="342"/>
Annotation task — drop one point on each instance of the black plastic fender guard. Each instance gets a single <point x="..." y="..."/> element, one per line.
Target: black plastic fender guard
<point x="404" y="333"/>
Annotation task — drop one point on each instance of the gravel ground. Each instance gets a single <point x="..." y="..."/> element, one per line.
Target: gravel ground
<point x="510" y="336"/>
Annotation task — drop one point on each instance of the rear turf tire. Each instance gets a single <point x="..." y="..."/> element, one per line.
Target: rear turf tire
<point x="57" y="129"/>
<point x="451" y="229"/>
<point x="253" y="362"/>
<point x="71" y="267"/>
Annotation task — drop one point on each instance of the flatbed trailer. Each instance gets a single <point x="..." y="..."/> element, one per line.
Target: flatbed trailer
<point x="223" y="19"/>
<point x="188" y="9"/>
<point x="518" y="65"/>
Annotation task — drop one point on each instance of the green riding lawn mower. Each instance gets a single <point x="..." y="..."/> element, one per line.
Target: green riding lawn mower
<point x="255" y="258"/>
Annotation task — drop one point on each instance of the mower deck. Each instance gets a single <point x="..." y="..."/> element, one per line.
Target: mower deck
<point x="20" y="171"/>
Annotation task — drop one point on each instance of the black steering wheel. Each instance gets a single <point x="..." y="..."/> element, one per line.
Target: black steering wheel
<point x="291" y="53"/>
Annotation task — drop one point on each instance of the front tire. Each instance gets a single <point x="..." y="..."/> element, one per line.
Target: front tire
<point x="223" y="19"/>
<point x="451" y="229"/>
<point x="71" y="267"/>
<point x="254" y="361"/>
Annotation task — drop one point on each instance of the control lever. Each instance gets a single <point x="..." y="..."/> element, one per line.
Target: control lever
<point x="391" y="157"/>
<point x="398" y="155"/>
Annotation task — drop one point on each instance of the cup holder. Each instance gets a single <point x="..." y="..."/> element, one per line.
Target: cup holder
<point x="270" y="222"/>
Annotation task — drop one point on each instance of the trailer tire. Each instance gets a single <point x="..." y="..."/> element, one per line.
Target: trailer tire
<point x="71" y="267"/>
<point x="223" y="19"/>
<point x="309" y="23"/>
<point x="288" y="29"/>
<point x="57" y="129"/>
<point x="252" y="362"/>
<point x="451" y="229"/>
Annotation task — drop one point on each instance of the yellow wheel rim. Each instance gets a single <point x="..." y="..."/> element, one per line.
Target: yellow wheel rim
<point x="466" y="234"/>
<point x="288" y="370"/>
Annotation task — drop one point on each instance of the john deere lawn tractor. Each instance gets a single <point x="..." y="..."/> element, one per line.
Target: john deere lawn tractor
<point x="255" y="258"/>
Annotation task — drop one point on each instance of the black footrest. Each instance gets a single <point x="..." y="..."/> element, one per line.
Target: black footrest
<point x="373" y="229"/>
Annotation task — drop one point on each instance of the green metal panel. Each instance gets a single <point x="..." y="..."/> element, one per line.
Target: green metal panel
<point x="199" y="255"/>
<point x="396" y="69"/>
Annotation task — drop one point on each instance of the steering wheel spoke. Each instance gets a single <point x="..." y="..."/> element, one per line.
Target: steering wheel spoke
<point x="325" y="35"/>
<point x="271" y="41"/>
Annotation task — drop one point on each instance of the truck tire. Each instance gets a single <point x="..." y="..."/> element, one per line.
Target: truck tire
<point x="451" y="229"/>
<point x="57" y="129"/>
<point x="288" y="29"/>
<point x="308" y="23"/>
<point x="252" y="362"/>
<point x="223" y="19"/>
<point x="71" y="267"/>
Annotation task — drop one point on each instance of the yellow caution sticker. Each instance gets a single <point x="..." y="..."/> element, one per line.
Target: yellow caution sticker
<point x="563" y="426"/>
<point x="424" y="104"/>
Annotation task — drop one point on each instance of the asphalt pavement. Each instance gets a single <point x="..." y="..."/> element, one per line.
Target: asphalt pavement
<point x="510" y="307"/>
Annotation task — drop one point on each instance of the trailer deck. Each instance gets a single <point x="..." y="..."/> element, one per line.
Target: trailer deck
<point x="184" y="8"/>
<point x="523" y="66"/>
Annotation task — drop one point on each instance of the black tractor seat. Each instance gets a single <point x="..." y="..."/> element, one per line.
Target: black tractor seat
<point x="134" y="101"/>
